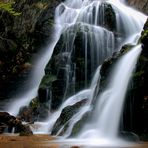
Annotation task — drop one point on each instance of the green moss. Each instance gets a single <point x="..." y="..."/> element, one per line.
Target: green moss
<point x="144" y="35"/>
<point x="51" y="22"/>
<point x="126" y="48"/>
<point x="143" y="58"/>
<point x="47" y="80"/>
<point x="138" y="74"/>
<point x="15" y="69"/>
<point x="41" y="5"/>
<point x="7" y="6"/>
<point x="34" y="103"/>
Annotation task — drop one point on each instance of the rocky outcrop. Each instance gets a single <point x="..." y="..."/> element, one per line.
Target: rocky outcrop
<point x="141" y="5"/>
<point x="9" y="122"/>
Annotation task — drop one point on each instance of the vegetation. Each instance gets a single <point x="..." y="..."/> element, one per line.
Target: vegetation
<point x="47" y="80"/>
<point x="8" y="6"/>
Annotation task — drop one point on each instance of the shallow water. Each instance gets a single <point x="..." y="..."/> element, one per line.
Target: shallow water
<point x="92" y="143"/>
<point x="75" y="145"/>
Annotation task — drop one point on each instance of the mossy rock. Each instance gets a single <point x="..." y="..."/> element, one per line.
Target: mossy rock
<point x="34" y="104"/>
<point x="65" y="117"/>
<point x="47" y="81"/>
<point x="25" y="130"/>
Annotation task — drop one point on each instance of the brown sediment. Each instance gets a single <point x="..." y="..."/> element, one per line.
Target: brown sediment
<point x="143" y="145"/>
<point x="34" y="141"/>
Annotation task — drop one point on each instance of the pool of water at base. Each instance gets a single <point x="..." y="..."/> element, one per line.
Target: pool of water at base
<point x="92" y="144"/>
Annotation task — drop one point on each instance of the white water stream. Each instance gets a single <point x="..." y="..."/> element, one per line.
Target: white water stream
<point x="109" y="106"/>
<point x="38" y="73"/>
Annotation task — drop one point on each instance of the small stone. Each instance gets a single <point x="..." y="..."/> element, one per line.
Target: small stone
<point x="75" y="147"/>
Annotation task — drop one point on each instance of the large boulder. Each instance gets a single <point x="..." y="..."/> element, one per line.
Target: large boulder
<point x="9" y="122"/>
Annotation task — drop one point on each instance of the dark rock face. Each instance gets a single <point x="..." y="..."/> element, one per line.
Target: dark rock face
<point x="142" y="5"/>
<point x="141" y="85"/>
<point x="110" y="18"/>
<point x="8" y="121"/>
<point x="129" y="136"/>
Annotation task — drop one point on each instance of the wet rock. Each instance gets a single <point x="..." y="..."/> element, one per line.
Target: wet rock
<point x="144" y="39"/>
<point x="24" y="130"/>
<point x="129" y="136"/>
<point x="110" y="17"/>
<point x="36" y="111"/>
<point x="43" y="95"/>
<point x="65" y="117"/>
<point x="26" y="114"/>
<point x="7" y="118"/>
<point x="8" y="121"/>
<point x="43" y="111"/>
<point x="75" y="147"/>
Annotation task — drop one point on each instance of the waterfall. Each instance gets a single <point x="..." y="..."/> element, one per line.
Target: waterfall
<point x="129" y="22"/>
<point x="102" y="130"/>
<point x="87" y="93"/>
<point x="109" y="106"/>
<point x="104" y="26"/>
<point x="25" y="97"/>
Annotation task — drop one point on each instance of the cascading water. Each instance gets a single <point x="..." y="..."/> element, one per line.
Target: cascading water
<point x="126" y="22"/>
<point x="110" y="103"/>
<point x="98" y="41"/>
<point x="25" y="97"/>
<point x="104" y="26"/>
<point x="102" y="130"/>
<point x="87" y="93"/>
